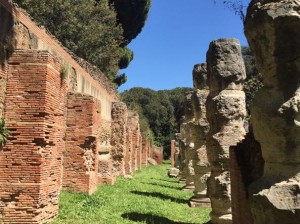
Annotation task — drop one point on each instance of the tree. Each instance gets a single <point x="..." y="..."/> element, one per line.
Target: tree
<point x="254" y="79"/>
<point x="237" y="6"/>
<point x="132" y="15"/>
<point x="161" y="109"/>
<point x="89" y="30"/>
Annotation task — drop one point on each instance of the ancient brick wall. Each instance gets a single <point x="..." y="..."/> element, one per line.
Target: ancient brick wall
<point x="157" y="154"/>
<point x="36" y="75"/>
<point x="82" y="143"/>
<point x="129" y="149"/>
<point x="118" y="139"/>
<point x="145" y="149"/>
<point x="31" y="162"/>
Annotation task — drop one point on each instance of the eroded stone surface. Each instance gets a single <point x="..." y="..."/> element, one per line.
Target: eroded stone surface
<point x="272" y="29"/>
<point x="225" y="113"/>
<point x="187" y="144"/>
<point x="199" y="130"/>
<point x="118" y="136"/>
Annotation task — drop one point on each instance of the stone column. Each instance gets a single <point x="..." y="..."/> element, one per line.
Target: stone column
<point x="199" y="132"/>
<point x="186" y="127"/>
<point x="172" y="158"/>
<point x="225" y="113"/>
<point x="272" y="29"/>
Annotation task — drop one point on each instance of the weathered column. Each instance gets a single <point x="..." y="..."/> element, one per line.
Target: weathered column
<point x="172" y="158"/>
<point x="80" y="163"/>
<point x="272" y="29"/>
<point x="186" y="127"/>
<point x="225" y="113"/>
<point x="118" y="137"/>
<point x="198" y="135"/>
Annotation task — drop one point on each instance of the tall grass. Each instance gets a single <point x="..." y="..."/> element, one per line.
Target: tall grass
<point x="150" y="197"/>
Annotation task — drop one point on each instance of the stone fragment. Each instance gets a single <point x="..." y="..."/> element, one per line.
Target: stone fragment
<point x="272" y="30"/>
<point x="225" y="110"/>
<point x="151" y="161"/>
<point x="173" y="172"/>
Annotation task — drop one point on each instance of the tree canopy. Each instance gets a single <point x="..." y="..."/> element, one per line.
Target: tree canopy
<point x="160" y="110"/>
<point x="93" y="29"/>
<point x="132" y="15"/>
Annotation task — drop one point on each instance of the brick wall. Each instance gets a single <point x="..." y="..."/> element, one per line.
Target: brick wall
<point x="31" y="162"/>
<point x="157" y="154"/>
<point x="246" y="166"/>
<point x="82" y="143"/>
<point x="118" y="136"/>
<point x="129" y="149"/>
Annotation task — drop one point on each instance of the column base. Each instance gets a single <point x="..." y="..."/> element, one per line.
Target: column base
<point x="199" y="202"/>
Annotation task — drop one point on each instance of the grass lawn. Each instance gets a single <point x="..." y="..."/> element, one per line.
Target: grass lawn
<point x="150" y="197"/>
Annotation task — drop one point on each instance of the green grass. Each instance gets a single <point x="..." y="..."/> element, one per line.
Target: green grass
<point x="150" y="197"/>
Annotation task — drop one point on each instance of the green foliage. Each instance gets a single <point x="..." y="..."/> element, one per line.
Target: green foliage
<point x="4" y="133"/>
<point x="177" y="98"/>
<point x="64" y="71"/>
<point x="162" y="110"/>
<point x="126" y="58"/>
<point x="147" y="198"/>
<point x="254" y="79"/>
<point x="90" y="30"/>
<point x="120" y="79"/>
<point x="132" y="15"/>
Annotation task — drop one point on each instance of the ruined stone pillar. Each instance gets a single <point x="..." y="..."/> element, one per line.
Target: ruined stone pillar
<point x="80" y="164"/>
<point x="186" y="127"/>
<point x="172" y="158"/>
<point x="198" y="137"/>
<point x="226" y="111"/>
<point x="31" y="161"/>
<point x="272" y="29"/>
<point x="118" y="137"/>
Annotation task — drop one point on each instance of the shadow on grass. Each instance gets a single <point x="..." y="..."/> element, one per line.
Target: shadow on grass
<point x="161" y="185"/>
<point x="161" y="196"/>
<point x="149" y="218"/>
<point x="174" y="180"/>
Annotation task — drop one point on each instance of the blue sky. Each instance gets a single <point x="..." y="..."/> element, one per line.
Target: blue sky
<point x="175" y="38"/>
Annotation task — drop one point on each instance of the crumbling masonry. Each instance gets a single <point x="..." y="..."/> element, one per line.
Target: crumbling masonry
<point x="68" y="128"/>
<point x="272" y="29"/>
